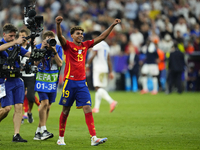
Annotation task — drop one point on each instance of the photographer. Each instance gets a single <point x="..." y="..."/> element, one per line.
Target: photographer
<point x="14" y="86"/>
<point x="47" y="81"/>
<point x="29" y="82"/>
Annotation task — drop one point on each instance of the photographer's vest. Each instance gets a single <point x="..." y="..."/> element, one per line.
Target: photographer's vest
<point x="47" y="80"/>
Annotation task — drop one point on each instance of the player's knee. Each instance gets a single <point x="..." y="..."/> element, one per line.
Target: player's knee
<point x="87" y="109"/>
<point x="44" y="104"/>
<point x="7" y="109"/>
<point x="66" y="110"/>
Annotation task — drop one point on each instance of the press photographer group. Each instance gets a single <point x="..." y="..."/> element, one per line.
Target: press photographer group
<point x="7" y="64"/>
<point x="23" y="68"/>
<point x="47" y="57"/>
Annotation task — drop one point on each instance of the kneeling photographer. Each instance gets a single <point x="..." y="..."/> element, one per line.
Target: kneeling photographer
<point x="47" y="81"/>
<point x="12" y="86"/>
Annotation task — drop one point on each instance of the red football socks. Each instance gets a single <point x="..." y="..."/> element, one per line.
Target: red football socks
<point x="90" y="123"/>
<point x="37" y="102"/>
<point x="62" y="124"/>
<point x="25" y="106"/>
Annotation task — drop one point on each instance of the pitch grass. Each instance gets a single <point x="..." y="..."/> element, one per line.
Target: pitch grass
<point x="140" y="122"/>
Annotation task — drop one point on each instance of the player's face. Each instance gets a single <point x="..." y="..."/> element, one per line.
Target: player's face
<point x="9" y="37"/>
<point x="78" y="36"/>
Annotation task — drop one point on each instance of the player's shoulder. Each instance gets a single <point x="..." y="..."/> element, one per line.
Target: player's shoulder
<point x="88" y="41"/>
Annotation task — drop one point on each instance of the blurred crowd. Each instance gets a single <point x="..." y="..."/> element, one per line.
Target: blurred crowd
<point x="161" y="21"/>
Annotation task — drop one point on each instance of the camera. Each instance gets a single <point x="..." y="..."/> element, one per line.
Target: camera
<point x="7" y="64"/>
<point x="52" y="42"/>
<point x="35" y="25"/>
<point x="33" y="22"/>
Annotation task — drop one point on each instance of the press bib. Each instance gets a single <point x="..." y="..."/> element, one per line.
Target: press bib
<point x="2" y="90"/>
<point x="46" y="81"/>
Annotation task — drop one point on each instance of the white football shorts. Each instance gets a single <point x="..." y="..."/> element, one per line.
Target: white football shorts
<point x="150" y="69"/>
<point x="100" y="79"/>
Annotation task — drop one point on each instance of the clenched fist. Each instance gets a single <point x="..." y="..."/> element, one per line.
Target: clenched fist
<point x="59" y="19"/>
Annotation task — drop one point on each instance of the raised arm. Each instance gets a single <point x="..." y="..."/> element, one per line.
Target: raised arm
<point x="106" y="32"/>
<point x="61" y="38"/>
<point x="110" y="75"/>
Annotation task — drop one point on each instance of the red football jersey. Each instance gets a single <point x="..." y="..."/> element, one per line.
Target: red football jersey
<point x="75" y="59"/>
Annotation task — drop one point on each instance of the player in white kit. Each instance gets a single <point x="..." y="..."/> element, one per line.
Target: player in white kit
<point x="150" y="68"/>
<point x="102" y="69"/>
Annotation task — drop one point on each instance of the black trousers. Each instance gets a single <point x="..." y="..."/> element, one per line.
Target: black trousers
<point x="29" y="85"/>
<point x="174" y="78"/>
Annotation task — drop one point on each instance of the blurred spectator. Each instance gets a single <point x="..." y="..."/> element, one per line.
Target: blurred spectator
<point x="196" y="8"/>
<point x="191" y="77"/>
<point x="136" y="38"/>
<point x="168" y="28"/>
<point x="161" y="65"/>
<point x="130" y="9"/>
<point x="179" y="39"/>
<point x="55" y="7"/>
<point x="157" y="5"/>
<point x="197" y="44"/>
<point x="180" y="26"/>
<point x="153" y="13"/>
<point x="150" y="68"/>
<point x="159" y="21"/>
<point x="198" y="81"/>
<point x="176" y="68"/>
<point x="154" y="35"/>
<point x="195" y="32"/>
<point x="115" y="8"/>
<point x="166" y="43"/>
<point x="115" y="48"/>
<point x="171" y="15"/>
<point x="145" y="32"/>
<point x="189" y="49"/>
<point x="131" y="48"/>
<point x="133" y="68"/>
<point x="123" y="41"/>
<point x="191" y="20"/>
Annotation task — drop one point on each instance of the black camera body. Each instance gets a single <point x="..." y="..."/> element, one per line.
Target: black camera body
<point x="35" y="25"/>
<point x="7" y="64"/>
<point x="33" y="22"/>
<point x="52" y="42"/>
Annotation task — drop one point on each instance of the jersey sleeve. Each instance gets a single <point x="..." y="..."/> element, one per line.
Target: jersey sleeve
<point x="96" y="47"/>
<point x="60" y="52"/>
<point x="23" y="51"/>
<point x="38" y="46"/>
<point x="89" y="43"/>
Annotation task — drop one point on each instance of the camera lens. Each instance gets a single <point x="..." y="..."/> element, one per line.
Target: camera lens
<point x="51" y="42"/>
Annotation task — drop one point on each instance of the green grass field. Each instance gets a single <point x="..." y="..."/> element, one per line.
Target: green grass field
<point x="140" y="122"/>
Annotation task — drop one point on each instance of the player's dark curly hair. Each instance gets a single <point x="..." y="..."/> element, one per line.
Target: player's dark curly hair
<point x="76" y="28"/>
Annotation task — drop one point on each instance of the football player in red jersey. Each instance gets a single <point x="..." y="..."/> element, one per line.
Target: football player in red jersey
<point x="75" y="86"/>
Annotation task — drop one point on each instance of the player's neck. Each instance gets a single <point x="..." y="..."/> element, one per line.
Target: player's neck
<point x="77" y="43"/>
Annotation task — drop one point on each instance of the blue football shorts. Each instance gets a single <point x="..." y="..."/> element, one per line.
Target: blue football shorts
<point x="14" y="92"/>
<point x="50" y="96"/>
<point x="75" y="90"/>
